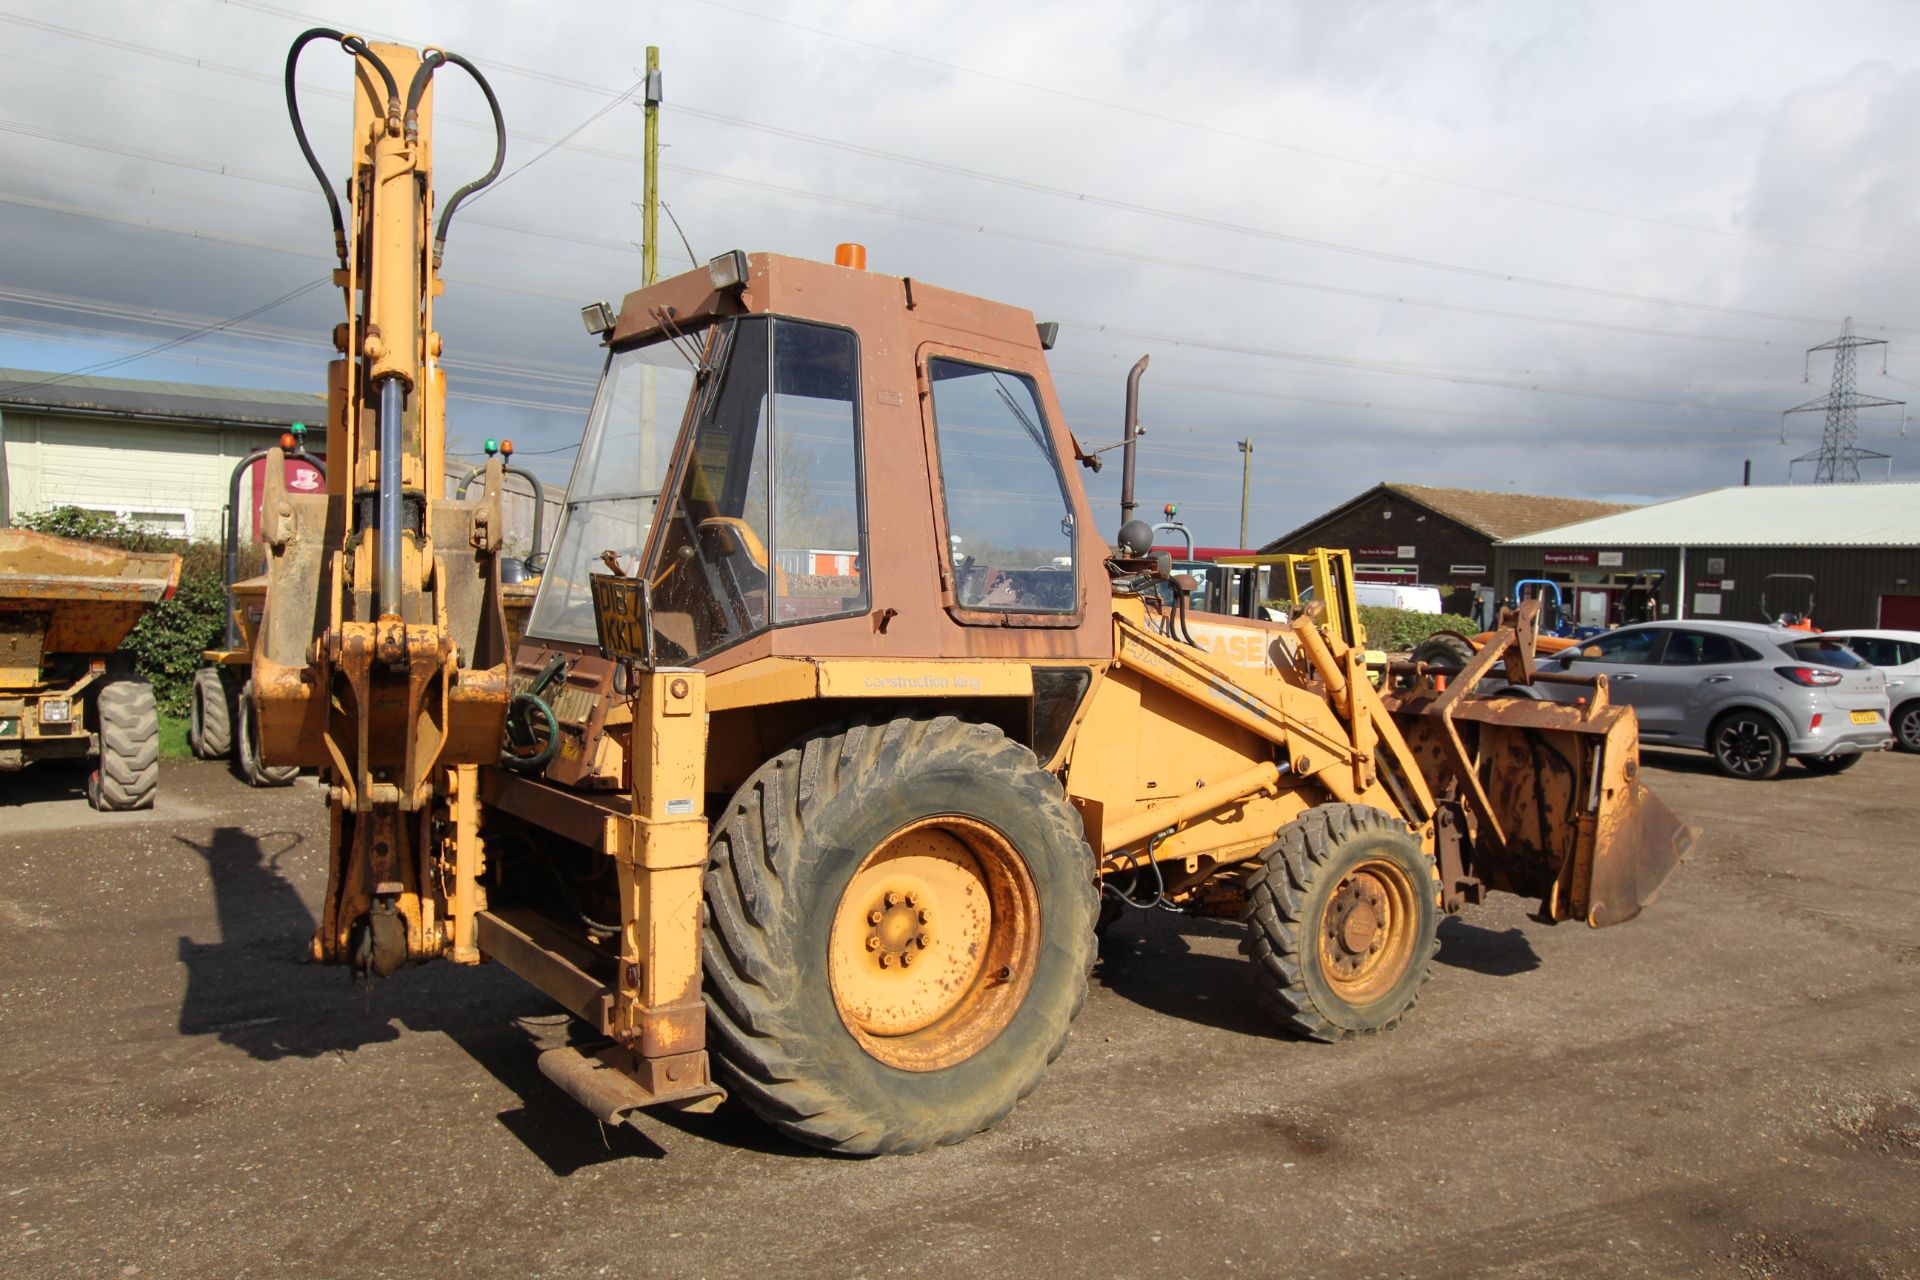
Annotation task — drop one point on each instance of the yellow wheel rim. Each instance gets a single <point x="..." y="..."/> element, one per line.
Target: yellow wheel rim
<point x="934" y="943"/>
<point x="1366" y="932"/>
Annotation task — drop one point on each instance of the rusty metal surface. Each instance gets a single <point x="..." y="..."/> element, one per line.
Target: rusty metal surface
<point x="82" y="598"/>
<point x="1553" y="804"/>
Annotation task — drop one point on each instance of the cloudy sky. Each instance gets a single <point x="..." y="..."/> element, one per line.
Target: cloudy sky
<point x="1552" y="247"/>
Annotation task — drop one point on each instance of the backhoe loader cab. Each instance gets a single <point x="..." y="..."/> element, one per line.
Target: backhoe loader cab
<point x="850" y="443"/>
<point x="844" y="727"/>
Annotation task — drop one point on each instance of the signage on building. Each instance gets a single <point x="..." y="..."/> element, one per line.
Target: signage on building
<point x="1386" y="553"/>
<point x="1599" y="559"/>
<point x="301" y="477"/>
<point x="1466" y="570"/>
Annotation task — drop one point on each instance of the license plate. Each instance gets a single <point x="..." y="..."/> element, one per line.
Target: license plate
<point x="1866" y="717"/>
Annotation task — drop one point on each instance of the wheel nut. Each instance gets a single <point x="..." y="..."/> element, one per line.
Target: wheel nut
<point x="873" y="942"/>
<point x="926" y="916"/>
<point x="893" y="899"/>
<point x="875" y="916"/>
<point x="913" y="899"/>
<point x="886" y="959"/>
<point x="906" y="958"/>
<point x="925" y="940"/>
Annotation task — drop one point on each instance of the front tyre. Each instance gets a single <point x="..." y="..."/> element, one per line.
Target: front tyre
<point x="1343" y="916"/>
<point x="209" y="724"/>
<point x="256" y="772"/>
<point x="899" y="930"/>
<point x="129" y="772"/>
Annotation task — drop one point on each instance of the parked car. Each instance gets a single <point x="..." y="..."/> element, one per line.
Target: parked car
<point x="1750" y="694"/>
<point x="1897" y="653"/>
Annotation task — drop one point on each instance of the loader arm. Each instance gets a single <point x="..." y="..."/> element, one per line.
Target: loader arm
<point x="381" y="653"/>
<point x="1506" y="794"/>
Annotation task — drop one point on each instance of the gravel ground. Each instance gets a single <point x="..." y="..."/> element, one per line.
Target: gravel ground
<point x="1728" y="1086"/>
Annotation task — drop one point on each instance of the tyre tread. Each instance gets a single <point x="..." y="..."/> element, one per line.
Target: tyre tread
<point x="753" y="854"/>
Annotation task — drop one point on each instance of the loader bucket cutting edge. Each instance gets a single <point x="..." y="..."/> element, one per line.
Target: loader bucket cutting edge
<point x="1637" y="846"/>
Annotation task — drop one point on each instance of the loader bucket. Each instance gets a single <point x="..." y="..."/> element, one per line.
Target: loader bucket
<point x="1554" y="804"/>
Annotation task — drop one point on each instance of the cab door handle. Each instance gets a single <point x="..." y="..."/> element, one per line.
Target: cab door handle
<point x="1624" y="676"/>
<point x="1716" y="679"/>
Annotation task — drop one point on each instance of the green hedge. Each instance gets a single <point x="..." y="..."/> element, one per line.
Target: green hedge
<point x="1399" y="630"/>
<point x="167" y="642"/>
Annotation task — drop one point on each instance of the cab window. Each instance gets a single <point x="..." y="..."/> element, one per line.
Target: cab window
<point x="766" y="523"/>
<point x="1009" y="521"/>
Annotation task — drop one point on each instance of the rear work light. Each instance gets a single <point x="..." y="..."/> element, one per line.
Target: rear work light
<point x="1812" y="677"/>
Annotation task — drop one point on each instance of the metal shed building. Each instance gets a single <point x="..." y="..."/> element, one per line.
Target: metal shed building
<point x="159" y="453"/>
<point x="1747" y="554"/>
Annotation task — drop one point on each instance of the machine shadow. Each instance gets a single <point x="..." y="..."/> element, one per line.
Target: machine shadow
<point x="43" y="781"/>
<point x="1498" y="953"/>
<point x="1146" y="957"/>
<point x="256" y="990"/>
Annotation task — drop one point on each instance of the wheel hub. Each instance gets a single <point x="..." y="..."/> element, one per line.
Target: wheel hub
<point x="1366" y="931"/>
<point x="1353" y="922"/>
<point x="901" y="928"/>
<point x="934" y="943"/>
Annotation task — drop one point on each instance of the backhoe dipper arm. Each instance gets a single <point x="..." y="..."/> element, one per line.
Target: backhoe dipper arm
<point x="382" y="653"/>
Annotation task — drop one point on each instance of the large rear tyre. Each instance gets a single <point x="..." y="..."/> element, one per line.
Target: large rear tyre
<point x="247" y="757"/>
<point x="210" y="716"/>
<point x="1342" y="921"/>
<point x="129" y="722"/>
<point x="899" y="931"/>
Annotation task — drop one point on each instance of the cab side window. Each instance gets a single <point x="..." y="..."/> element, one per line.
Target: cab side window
<point x="1009" y="520"/>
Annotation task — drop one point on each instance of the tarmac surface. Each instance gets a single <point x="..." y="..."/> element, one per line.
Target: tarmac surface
<point x="1728" y="1086"/>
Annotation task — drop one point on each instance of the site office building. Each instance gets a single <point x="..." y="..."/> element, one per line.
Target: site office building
<point x="1854" y="548"/>
<point x="1408" y="534"/>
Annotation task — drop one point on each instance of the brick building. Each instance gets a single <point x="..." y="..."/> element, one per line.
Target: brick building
<point x="1412" y="533"/>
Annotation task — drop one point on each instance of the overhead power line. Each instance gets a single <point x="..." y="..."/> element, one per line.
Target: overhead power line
<point x="1299" y="149"/>
<point x="1090" y="198"/>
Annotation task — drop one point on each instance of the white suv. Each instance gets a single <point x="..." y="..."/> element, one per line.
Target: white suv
<point x="1897" y="653"/>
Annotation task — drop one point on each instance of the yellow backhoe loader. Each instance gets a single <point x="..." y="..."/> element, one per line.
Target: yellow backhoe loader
<point x="839" y="717"/>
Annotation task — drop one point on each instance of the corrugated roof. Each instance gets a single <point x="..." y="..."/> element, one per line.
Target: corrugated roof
<point x="1506" y="515"/>
<point x="1807" y="515"/>
<point x="183" y="401"/>
<point x="1495" y="513"/>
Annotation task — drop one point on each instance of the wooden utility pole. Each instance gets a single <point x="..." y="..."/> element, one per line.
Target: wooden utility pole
<point x="1246" y="467"/>
<point x="650" y="200"/>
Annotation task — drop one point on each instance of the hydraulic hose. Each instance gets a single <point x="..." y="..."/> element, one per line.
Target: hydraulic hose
<point x="358" y="48"/>
<point x="499" y="149"/>
<point x="516" y="714"/>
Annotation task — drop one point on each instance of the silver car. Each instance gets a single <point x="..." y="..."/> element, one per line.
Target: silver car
<point x="1749" y="693"/>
